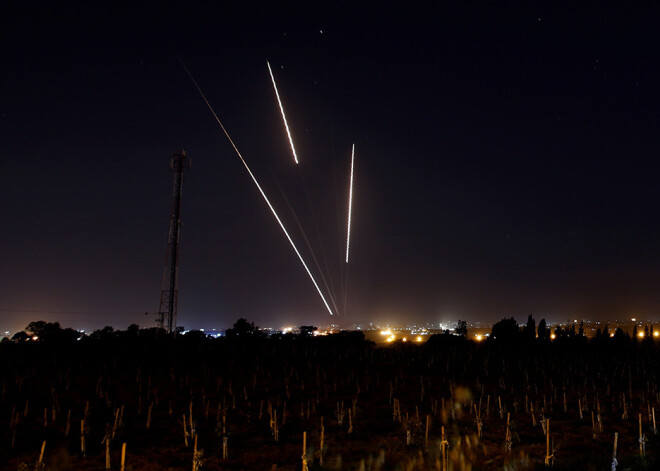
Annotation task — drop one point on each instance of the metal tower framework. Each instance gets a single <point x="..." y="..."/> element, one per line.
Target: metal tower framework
<point x="169" y="293"/>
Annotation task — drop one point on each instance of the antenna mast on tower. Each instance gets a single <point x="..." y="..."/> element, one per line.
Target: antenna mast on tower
<point x="169" y="292"/>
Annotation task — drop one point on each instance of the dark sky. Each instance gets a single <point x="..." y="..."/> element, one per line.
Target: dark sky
<point x="506" y="160"/>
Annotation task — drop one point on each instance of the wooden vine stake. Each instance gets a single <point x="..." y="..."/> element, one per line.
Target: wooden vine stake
<point x="123" y="457"/>
<point x="185" y="431"/>
<point x="190" y="419"/>
<point x="114" y="426"/>
<point x="615" y="463"/>
<point x="148" y="426"/>
<point x="68" y="424"/>
<point x="443" y="446"/>
<point x="580" y="408"/>
<point x="642" y="438"/>
<point x="593" y="426"/>
<point x="82" y="437"/>
<point x="197" y="457"/>
<point x="107" y="452"/>
<point x="321" y="447"/>
<point x="304" y="453"/>
<point x="548" y="456"/>
<point x="40" y="463"/>
<point x="394" y="410"/>
<point x="350" y="422"/>
<point x="624" y="416"/>
<point x="507" y="437"/>
<point x="225" y="439"/>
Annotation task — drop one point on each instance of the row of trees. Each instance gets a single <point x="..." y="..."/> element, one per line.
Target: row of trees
<point x="53" y="332"/>
<point x="243" y="328"/>
<point x="508" y="330"/>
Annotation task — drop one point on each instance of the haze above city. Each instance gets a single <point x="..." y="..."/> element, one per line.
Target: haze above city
<point x="506" y="162"/>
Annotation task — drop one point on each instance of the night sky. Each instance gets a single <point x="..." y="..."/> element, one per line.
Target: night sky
<point x="506" y="160"/>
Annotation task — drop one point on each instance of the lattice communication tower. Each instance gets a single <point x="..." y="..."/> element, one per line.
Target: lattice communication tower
<point x="169" y="292"/>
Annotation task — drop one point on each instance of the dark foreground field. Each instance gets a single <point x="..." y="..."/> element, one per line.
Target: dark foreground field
<point x="371" y="404"/>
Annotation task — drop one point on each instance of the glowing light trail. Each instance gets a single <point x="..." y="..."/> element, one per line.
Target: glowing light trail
<point x="286" y="126"/>
<point x="311" y="250"/>
<point x="350" y="204"/>
<point x="295" y="249"/>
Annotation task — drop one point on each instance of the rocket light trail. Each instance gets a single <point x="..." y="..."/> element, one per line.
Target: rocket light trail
<point x="295" y="249"/>
<point x="311" y="250"/>
<point x="350" y="204"/>
<point x="286" y="126"/>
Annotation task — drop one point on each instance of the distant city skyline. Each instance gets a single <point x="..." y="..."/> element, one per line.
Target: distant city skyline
<point x="476" y="328"/>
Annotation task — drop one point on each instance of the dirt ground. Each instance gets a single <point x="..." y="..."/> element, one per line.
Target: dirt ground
<point x="378" y="408"/>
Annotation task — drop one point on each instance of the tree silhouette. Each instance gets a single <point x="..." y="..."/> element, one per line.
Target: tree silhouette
<point x="544" y="331"/>
<point x="461" y="329"/>
<point x="243" y="328"/>
<point x="51" y="332"/>
<point x="506" y="330"/>
<point x="20" y="336"/>
<point x="530" y="328"/>
<point x="606" y="331"/>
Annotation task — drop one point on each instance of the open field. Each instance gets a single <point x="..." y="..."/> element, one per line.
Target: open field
<point x="249" y="403"/>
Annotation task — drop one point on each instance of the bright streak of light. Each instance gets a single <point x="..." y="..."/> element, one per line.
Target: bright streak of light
<point x="405" y="339"/>
<point x="295" y="249"/>
<point x="479" y="338"/>
<point x="656" y="333"/>
<point x="640" y="334"/>
<point x="612" y="335"/>
<point x="553" y="336"/>
<point x="419" y="338"/>
<point x="385" y="332"/>
<point x="286" y="126"/>
<point x="350" y="204"/>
